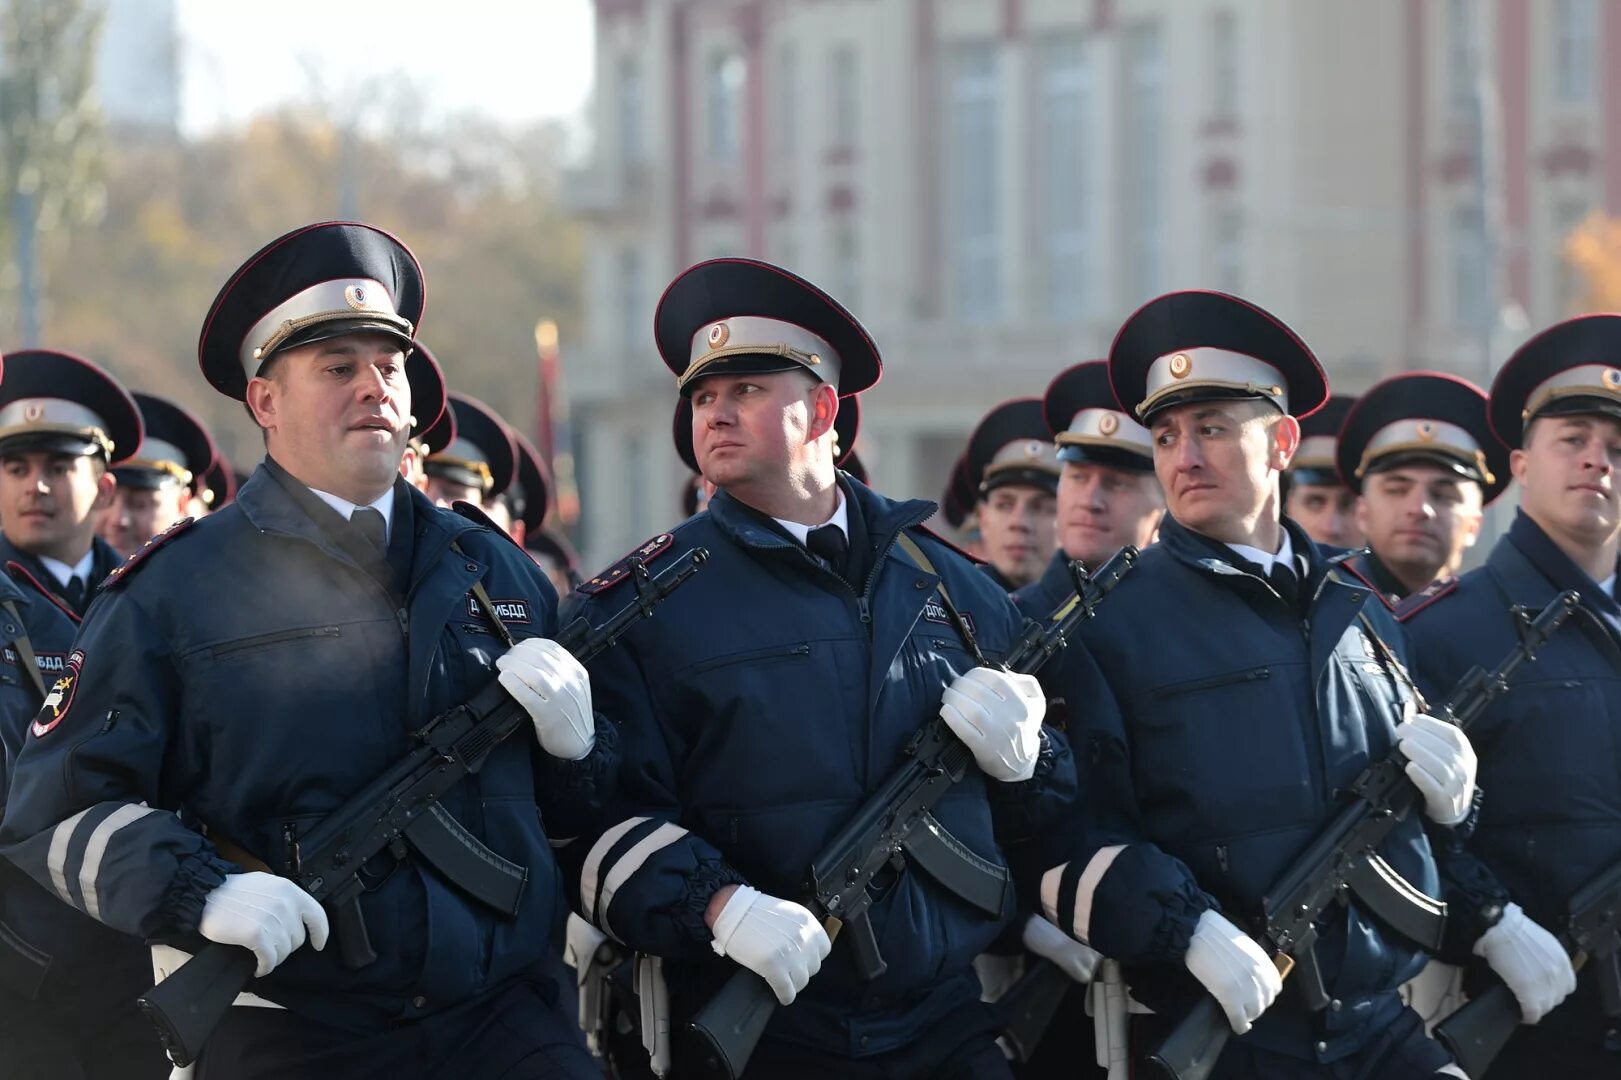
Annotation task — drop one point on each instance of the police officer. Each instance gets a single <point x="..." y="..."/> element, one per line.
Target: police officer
<point x="777" y="691"/>
<point x="957" y="508"/>
<point x="1551" y="817"/>
<point x="481" y="460"/>
<point x="1108" y="496"/>
<point x="1417" y="451"/>
<point x="846" y="427"/>
<point x="1013" y="465"/>
<point x="67" y="984"/>
<point x="1314" y="496"/>
<point x="1237" y="686"/>
<point x="527" y="501"/>
<point x="219" y="487"/>
<point x="63" y="423"/>
<point x="157" y="486"/>
<point x="431" y="438"/>
<point x="246" y="674"/>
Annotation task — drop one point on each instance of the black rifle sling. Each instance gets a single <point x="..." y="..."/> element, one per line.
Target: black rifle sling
<point x="25" y="650"/>
<point x="960" y="624"/>
<point x="482" y="598"/>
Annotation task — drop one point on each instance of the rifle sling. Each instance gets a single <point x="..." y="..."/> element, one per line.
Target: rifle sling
<point x="960" y="624"/>
<point x="25" y="650"/>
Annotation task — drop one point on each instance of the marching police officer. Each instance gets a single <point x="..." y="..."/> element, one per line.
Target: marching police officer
<point x="158" y="484"/>
<point x="1314" y="497"/>
<point x="1550" y="820"/>
<point x="779" y="689"/>
<point x="1108" y="496"/>
<point x="480" y="461"/>
<point x="1013" y="466"/>
<point x="957" y="508"/>
<point x="247" y="673"/>
<point x="1417" y="451"/>
<point x="1238" y="685"/>
<point x="64" y="422"/>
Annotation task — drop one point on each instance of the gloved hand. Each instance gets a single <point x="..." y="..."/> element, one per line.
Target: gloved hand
<point x="778" y="940"/>
<point x="555" y="691"/>
<point x="1530" y="961"/>
<point x="1077" y="960"/>
<point x="1233" y="968"/>
<point x="1441" y="763"/>
<point x="265" y="913"/>
<point x="997" y="714"/>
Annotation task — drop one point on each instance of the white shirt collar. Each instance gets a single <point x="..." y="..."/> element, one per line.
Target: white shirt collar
<point x="63" y="573"/>
<point x="383" y="504"/>
<point x="841" y="518"/>
<point x="1607" y="586"/>
<point x="1264" y="559"/>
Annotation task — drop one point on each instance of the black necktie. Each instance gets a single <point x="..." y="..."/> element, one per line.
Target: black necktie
<point x="1284" y="582"/>
<point x="828" y="543"/>
<point x="372" y="526"/>
<point x="73" y="592"/>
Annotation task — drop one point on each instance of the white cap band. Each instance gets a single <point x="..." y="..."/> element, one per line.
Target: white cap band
<point x="1589" y="380"/>
<point x="1217" y="369"/>
<point x="53" y="415"/>
<point x="1316" y="452"/>
<point x="341" y="298"/>
<point x="1418" y="435"/>
<point x="756" y="335"/>
<point x="1107" y="427"/>
<point x="1038" y="454"/>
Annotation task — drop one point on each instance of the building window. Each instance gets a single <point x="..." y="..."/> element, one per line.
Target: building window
<point x="1575" y="45"/>
<point x="783" y="118"/>
<point x="725" y="105"/>
<point x="972" y="182"/>
<point x="1223" y="65"/>
<point x="1571" y="286"/>
<point x="635" y="318"/>
<point x="1143" y="165"/>
<point x="629" y="89"/>
<point x="1460" y="38"/>
<point x="844" y="123"/>
<point x="847" y="267"/>
<point x="1063" y="104"/>
<point x="1470" y="283"/>
<point x="1226" y="257"/>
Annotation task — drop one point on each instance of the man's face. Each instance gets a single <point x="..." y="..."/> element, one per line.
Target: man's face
<point x="1102" y="509"/>
<point x="1567" y="473"/>
<point x="1327" y="512"/>
<point x="1218" y="463"/>
<point x="337" y="413"/>
<point x="1420" y="519"/>
<point x="50" y="503"/>
<point x="750" y="430"/>
<point x="1017" y="525"/>
<point x="139" y="514"/>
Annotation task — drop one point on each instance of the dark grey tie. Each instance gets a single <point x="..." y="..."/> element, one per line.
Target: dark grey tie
<point x="73" y="592"/>
<point x="829" y="544"/>
<point x="1284" y="582"/>
<point x="372" y="526"/>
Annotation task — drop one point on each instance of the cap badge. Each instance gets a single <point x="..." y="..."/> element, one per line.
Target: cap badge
<point x="356" y="297"/>
<point x="1426" y="431"/>
<point x="1181" y="365"/>
<point x="33" y="412"/>
<point x="1611" y="378"/>
<point x="718" y="335"/>
<point x="1032" y="449"/>
<point x="1109" y="424"/>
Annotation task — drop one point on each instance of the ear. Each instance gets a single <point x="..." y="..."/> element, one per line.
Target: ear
<point x="262" y="394"/>
<point x="1518" y="464"/>
<point x="824" y="405"/>
<point x="1285" y="441"/>
<point x="106" y="490"/>
<point x="1472" y="529"/>
<point x="1359" y="514"/>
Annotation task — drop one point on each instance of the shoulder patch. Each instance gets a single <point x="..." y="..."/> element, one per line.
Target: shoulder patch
<point x="19" y="572"/>
<point x="619" y="571"/>
<point x="60" y="697"/>
<point x="1422" y="599"/>
<point x="1349" y="567"/>
<point x="142" y="553"/>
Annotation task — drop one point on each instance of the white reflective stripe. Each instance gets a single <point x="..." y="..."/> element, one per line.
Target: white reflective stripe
<point x="593" y="863"/>
<point x="57" y="857"/>
<point x="632" y="860"/>
<point x="96" y="850"/>
<point x="1091" y="878"/>
<point x="1049" y="892"/>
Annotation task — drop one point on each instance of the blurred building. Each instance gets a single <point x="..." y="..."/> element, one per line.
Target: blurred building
<point x="138" y="66"/>
<point x="993" y="185"/>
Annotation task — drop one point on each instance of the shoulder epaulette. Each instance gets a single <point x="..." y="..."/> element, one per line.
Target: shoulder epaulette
<point x="1422" y="599"/>
<point x="478" y="517"/>
<point x="1346" y="566"/>
<point x="142" y="553"/>
<point x="619" y="571"/>
<point x="19" y="572"/>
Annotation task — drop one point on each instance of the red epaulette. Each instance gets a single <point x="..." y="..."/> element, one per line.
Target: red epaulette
<point x="1422" y="599"/>
<point x="932" y="535"/>
<point x="1350" y="567"/>
<point x="142" y="553"/>
<point x="18" y="570"/>
<point x="619" y="571"/>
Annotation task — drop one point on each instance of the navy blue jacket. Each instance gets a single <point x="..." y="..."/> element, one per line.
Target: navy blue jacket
<point x="760" y="707"/>
<point x="105" y="562"/>
<point x="1212" y="725"/>
<point x="1042" y="596"/>
<point x="1549" y="749"/>
<point x="251" y="672"/>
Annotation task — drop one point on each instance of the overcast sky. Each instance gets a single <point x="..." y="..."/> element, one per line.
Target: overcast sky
<point x="514" y="60"/>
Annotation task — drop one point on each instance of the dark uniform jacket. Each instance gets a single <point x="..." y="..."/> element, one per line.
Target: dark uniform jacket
<point x="757" y="711"/>
<point x="105" y="562"/>
<point x="1042" y="596"/>
<point x="253" y="671"/>
<point x="1549" y="749"/>
<point x="1214" y="726"/>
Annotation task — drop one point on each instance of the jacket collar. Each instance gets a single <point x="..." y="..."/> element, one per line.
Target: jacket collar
<point x="882" y="518"/>
<point x="1214" y="557"/>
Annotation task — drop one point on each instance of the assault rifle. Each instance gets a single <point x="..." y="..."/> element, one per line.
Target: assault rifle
<point x="1477" y="1033"/>
<point x="1345" y="856"/>
<point x="894" y="827"/>
<point x="398" y="812"/>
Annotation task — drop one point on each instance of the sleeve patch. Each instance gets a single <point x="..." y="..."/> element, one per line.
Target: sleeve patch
<point x="60" y="698"/>
<point x="1429" y="594"/>
<point x="141" y="553"/>
<point x="620" y="570"/>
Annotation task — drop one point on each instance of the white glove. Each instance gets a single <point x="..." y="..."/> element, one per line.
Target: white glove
<point x="778" y="940"/>
<point x="997" y="714"/>
<point x="1440" y="763"/>
<point x="1233" y="968"/>
<point x="555" y="691"/>
<point x="265" y="913"/>
<point x="1076" y="959"/>
<point x="1530" y="961"/>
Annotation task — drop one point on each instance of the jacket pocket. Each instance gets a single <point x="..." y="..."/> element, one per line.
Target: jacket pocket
<point x="775" y="654"/>
<point x="265" y="641"/>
